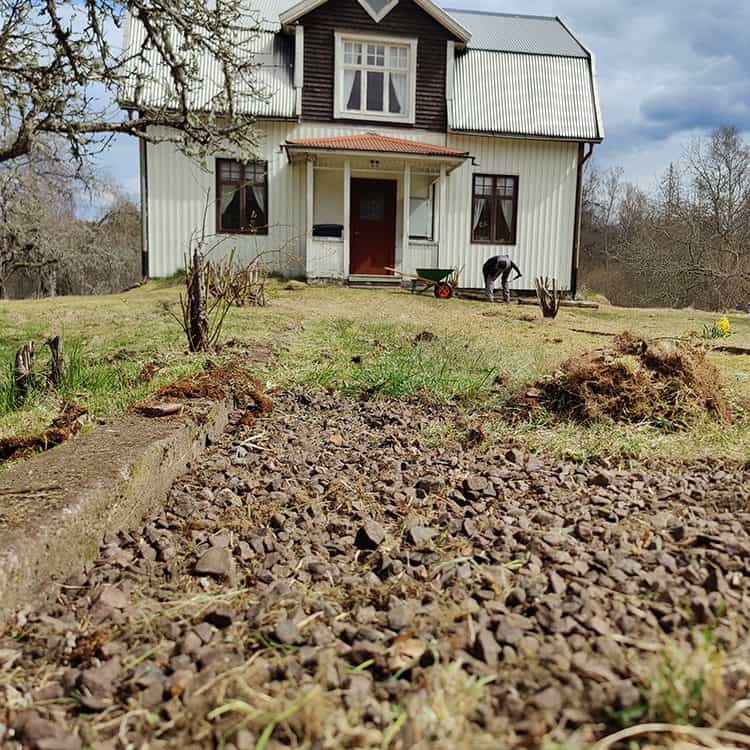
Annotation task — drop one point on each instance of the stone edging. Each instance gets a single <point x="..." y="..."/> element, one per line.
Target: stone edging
<point x="56" y="508"/>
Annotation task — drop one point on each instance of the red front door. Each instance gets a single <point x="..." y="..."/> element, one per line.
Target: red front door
<point x="372" y="244"/>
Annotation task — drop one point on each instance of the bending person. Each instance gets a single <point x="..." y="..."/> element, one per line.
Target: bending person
<point x="500" y="265"/>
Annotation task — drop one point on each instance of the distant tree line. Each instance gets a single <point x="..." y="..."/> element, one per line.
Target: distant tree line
<point x="685" y="244"/>
<point x="47" y="249"/>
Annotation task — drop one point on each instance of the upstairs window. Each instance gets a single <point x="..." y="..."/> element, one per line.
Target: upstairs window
<point x="375" y="78"/>
<point x="241" y="197"/>
<point x="494" y="209"/>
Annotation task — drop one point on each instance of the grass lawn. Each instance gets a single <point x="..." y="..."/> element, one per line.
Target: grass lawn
<point x="362" y="343"/>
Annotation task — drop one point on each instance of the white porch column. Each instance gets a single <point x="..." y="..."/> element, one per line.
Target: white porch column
<point x="347" y="212"/>
<point x="309" y="196"/>
<point x="442" y="210"/>
<point x="406" y="219"/>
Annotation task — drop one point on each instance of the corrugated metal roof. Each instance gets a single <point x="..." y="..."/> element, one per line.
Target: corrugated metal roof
<point x="374" y="142"/>
<point x="150" y="83"/>
<point x="504" y="32"/>
<point x="505" y="93"/>
<point x="521" y="75"/>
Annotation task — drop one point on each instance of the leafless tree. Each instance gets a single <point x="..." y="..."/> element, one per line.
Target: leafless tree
<point x="46" y="248"/>
<point x="63" y="71"/>
<point x="689" y="243"/>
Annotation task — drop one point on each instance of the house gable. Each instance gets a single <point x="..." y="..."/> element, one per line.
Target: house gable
<point x="405" y="20"/>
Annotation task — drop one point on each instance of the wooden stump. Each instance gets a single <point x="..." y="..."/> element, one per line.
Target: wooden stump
<point x="548" y="295"/>
<point x="198" y="336"/>
<point x="23" y="369"/>
<point x="55" y="345"/>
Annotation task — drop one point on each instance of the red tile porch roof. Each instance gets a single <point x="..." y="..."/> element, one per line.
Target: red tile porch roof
<point x="378" y="143"/>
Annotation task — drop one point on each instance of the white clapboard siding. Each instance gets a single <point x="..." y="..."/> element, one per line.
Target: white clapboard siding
<point x="547" y="176"/>
<point x="178" y="189"/>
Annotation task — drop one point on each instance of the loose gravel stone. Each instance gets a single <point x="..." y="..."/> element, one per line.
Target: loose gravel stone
<point x="216" y="561"/>
<point x="371" y="571"/>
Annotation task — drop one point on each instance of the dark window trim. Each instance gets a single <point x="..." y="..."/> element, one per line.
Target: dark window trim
<point x="493" y="199"/>
<point x="241" y="182"/>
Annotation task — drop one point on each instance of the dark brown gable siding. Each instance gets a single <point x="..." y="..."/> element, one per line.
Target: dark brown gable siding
<point x="406" y="19"/>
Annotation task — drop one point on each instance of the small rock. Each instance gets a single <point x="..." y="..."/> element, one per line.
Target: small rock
<point x="534" y="464"/>
<point x="550" y="700"/>
<point x="628" y="695"/>
<point x="49" y="692"/>
<point x="421" y="535"/>
<point x="204" y="631"/>
<point x="399" y="617"/>
<point x="97" y="685"/>
<point x="111" y="596"/>
<point x="226" y="496"/>
<point x="507" y="633"/>
<point x="370" y="535"/>
<point x="216" y="562"/>
<point x="287" y="632"/>
<point x="486" y="648"/>
<point x="190" y="643"/>
<point x="430" y="484"/>
<point x="475" y="484"/>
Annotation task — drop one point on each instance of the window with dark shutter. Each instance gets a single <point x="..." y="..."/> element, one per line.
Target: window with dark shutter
<point x="241" y="197"/>
<point x="494" y="210"/>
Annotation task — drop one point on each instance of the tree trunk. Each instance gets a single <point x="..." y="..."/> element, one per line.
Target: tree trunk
<point x="55" y="345"/>
<point x="198" y="317"/>
<point x="22" y="372"/>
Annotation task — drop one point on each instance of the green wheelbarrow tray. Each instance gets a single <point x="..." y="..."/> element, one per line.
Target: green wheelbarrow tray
<point x="432" y="278"/>
<point x="435" y="279"/>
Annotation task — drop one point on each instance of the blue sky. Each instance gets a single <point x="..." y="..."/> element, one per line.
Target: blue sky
<point x="669" y="70"/>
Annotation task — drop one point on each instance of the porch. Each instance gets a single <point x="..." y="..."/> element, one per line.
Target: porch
<point x="372" y="202"/>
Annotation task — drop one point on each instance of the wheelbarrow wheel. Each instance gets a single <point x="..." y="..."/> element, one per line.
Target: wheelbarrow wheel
<point x="443" y="290"/>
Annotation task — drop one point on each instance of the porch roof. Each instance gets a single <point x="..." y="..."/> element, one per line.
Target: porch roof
<point x="375" y="144"/>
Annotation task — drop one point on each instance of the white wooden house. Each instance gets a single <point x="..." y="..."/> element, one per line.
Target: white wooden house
<point x="397" y="133"/>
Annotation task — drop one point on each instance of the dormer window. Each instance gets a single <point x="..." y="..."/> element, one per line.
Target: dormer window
<point x="375" y="78"/>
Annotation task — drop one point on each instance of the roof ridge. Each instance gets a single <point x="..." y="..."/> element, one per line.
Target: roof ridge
<point x="504" y="15"/>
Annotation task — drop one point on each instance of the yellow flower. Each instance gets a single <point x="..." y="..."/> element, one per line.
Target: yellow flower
<point x="724" y="325"/>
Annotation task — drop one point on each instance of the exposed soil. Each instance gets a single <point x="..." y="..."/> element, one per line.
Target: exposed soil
<point x="321" y="577"/>
<point x="68" y="423"/>
<point x="666" y="382"/>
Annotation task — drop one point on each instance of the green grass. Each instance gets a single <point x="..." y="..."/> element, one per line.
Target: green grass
<point x="368" y="361"/>
<point x="361" y="343"/>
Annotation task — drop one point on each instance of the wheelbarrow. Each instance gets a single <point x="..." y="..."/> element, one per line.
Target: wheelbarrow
<point x="440" y="280"/>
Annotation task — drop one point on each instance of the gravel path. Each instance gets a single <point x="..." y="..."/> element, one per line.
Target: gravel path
<point x="322" y="578"/>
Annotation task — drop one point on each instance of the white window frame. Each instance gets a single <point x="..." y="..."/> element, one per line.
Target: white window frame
<point x="339" y="112"/>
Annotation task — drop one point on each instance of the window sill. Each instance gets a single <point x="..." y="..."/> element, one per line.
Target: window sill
<point x="498" y="244"/>
<point x="244" y="232"/>
<point x="327" y="239"/>
<point x="374" y="117"/>
<point x="421" y="241"/>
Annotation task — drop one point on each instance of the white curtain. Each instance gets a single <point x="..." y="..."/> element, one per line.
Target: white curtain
<point x="506" y="207"/>
<point x="398" y="93"/>
<point x="478" y="205"/>
<point x="353" y="89"/>
<point x="259" y="194"/>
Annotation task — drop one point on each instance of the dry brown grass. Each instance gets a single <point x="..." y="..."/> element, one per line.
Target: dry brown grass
<point x="664" y="382"/>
